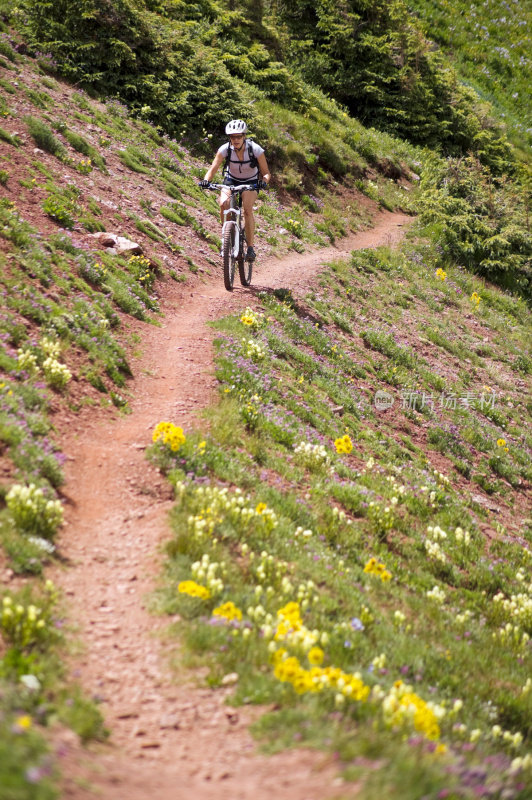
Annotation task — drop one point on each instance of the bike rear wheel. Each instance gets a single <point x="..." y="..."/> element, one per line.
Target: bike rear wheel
<point x="228" y="257"/>
<point x="245" y="268"/>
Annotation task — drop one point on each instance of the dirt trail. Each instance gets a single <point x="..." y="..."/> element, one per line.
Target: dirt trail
<point x="169" y="738"/>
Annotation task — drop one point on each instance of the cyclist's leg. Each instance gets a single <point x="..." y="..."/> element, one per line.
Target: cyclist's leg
<point x="248" y="199"/>
<point x="224" y="201"/>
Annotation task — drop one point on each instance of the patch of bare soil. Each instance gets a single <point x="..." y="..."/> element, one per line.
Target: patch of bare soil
<point x="168" y="737"/>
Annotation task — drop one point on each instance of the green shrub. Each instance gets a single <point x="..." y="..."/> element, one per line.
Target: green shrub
<point x="374" y="60"/>
<point x="21" y="755"/>
<point x="91" y="224"/>
<point x="55" y="208"/>
<point x="44" y="137"/>
<point x="158" y="69"/>
<point x="13" y="227"/>
<point x="82" y="716"/>
<point x="39" y="99"/>
<point x="130" y="157"/>
<point x="6" y="137"/>
<point x="7" y="51"/>
<point x="479" y="223"/>
<point x="176" y="213"/>
<point x="82" y="146"/>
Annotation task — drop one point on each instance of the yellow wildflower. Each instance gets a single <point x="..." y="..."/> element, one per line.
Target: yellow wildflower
<point x="315" y="656"/>
<point x="171" y="435"/>
<point x="374" y="567"/>
<point x="194" y="589"/>
<point x="228" y="611"/>
<point x="343" y="444"/>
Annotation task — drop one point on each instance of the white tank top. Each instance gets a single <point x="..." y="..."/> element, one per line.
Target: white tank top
<point x="242" y="170"/>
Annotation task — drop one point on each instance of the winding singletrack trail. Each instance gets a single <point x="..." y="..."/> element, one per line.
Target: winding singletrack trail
<point x="169" y="738"/>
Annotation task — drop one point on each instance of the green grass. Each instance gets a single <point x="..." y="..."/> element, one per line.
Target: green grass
<point x="36" y="693"/>
<point x="44" y="138"/>
<point x="488" y="43"/>
<point x="81" y="316"/>
<point x="7" y="51"/>
<point x="81" y="145"/>
<point x="39" y="99"/>
<point x="133" y="158"/>
<point x="309" y="520"/>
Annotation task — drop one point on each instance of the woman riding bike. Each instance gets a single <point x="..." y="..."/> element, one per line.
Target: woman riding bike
<point x="245" y="162"/>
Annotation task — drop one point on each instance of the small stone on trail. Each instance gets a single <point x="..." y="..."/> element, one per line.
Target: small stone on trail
<point x="170" y="721"/>
<point x="231" y="677"/>
<point x="128" y="715"/>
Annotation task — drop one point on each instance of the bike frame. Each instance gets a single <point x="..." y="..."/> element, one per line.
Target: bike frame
<point x="233" y="217"/>
<point x="234" y="235"/>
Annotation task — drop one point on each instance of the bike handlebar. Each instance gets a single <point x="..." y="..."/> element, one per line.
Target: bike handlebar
<point x="252" y="187"/>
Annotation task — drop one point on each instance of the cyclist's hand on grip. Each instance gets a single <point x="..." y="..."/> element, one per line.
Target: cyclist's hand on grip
<point x="204" y="184"/>
<point x="262" y="185"/>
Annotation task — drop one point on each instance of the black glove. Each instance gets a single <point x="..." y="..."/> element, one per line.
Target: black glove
<point x="204" y="184"/>
<point x="262" y="185"/>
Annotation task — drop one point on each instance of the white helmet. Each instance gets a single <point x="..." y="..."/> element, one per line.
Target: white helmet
<point x="236" y="126"/>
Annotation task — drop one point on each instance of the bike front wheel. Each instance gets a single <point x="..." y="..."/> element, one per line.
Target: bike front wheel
<point x="228" y="250"/>
<point x="245" y="268"/>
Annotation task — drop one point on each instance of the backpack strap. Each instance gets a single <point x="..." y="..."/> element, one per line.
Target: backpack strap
<point x="227" y="160"/>
<point x="251" y="157"/>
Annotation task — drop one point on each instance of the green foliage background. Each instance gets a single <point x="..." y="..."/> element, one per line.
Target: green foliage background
<point x="489" y="44"/>
<point x="374" y="58"/>
<point x="124" y="49"/>
<point x="479" y="223"/>
<point x="193" y="65"/>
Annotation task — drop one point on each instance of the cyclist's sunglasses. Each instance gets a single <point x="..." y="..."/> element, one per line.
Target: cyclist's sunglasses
<point x="236" y="136"/>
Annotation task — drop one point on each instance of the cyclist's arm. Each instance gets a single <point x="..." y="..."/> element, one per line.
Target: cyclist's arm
<point x="264" y="168"/>
<point x="215" y="166"/>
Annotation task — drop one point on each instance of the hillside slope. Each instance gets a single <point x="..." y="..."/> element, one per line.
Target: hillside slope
<point x="373" y="422"/>
<point x="74" y="313"/>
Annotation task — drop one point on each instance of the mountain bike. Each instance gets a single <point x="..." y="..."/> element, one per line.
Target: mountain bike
<point x="234" y="236"/>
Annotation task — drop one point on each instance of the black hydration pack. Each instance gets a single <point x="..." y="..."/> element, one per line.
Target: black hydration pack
<point x="251" y="160"/>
